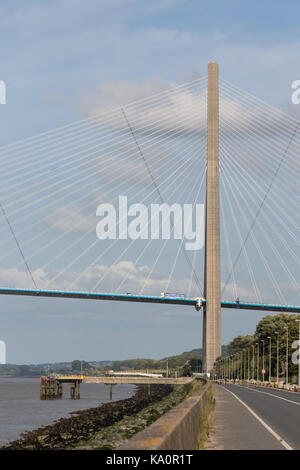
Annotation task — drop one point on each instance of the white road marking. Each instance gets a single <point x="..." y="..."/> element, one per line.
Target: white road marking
<point x="285" y="444"/>
<point x="271" y="394"/>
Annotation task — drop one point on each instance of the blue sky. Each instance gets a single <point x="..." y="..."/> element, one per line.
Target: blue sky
<point x="56" y="59"/>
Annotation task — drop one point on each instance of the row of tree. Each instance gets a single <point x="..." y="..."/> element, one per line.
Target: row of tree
<point x="174" y="362"/>
<point x="272" y="330"/>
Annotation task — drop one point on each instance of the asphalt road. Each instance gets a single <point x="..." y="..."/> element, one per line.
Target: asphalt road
<point x="279" y="409"/>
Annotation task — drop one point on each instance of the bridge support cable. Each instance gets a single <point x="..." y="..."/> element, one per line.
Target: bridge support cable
<point x="236" y="225"/>
<point x="256" y="143"/>
<point x="183" y="168"/>
<point x="182" y="240"/>
<point x="185" y="181"/>
<point x="47" y="138"/>
<point x="252" y="189"/>
<point x="149" y="151"/>
<point x="172" y="178"/>
<point x="275" y="251"/>
<point x="259" y="148"/>
<point x="170" y="135"/>
<point x="282" y="193"/>
<point x="224" y="224"/>
<point x="248" y="98"/>
<point x="236" y="194"/>
<point x="113" y="126"/>
<point x="18" y="245"/>
<point x="258" y="192"/>
<point x="185" y="187"/>
<point x="158" y="191"/>
<point x="151" y="142"/>
<point x="165" y="164"/>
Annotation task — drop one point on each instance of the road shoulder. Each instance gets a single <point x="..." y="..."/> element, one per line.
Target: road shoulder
<point x="235" y="428"/>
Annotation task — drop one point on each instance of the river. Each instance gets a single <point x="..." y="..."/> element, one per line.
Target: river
<point x="22" y="410"/>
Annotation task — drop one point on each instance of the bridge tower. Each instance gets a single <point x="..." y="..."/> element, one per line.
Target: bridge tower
<point x="212" y="276"/>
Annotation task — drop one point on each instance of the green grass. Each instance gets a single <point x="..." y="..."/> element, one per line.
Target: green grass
<point x="205" y="418"/>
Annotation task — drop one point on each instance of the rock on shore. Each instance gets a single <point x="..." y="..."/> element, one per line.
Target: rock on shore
<point x="66" y="432"/>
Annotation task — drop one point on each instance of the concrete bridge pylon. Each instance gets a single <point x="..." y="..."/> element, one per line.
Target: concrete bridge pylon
<point x="212" y="275"/>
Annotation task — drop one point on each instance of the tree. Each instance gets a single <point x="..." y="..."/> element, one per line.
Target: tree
<point x="196" y="364"/>
<point x="239" y="343"/>
<point x="267" y="327"/>
<point x="77" y="365"/>
<point x="24" y="369"/>
<point x="187" y="370"/>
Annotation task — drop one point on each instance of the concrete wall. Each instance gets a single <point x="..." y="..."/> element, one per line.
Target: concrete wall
<point x="178" y="429"/>
<point x="138" y="380"/>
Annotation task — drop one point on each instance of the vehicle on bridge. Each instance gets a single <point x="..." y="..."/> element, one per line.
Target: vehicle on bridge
<point x="132" y="373"/>
<point x="172" y="295"/>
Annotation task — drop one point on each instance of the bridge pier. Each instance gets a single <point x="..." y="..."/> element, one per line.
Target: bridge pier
<point x="75" y="389"/>
<point x="50" y="388"/>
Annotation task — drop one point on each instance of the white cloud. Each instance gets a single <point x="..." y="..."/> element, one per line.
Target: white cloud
<point x="135" y="277"/>
<point x="71" y="220"/>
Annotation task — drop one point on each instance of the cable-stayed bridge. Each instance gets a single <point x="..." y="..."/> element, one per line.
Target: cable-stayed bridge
<point x="206" y="142"/>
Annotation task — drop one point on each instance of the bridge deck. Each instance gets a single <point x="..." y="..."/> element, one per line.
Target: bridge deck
<point x="145" y="299"/>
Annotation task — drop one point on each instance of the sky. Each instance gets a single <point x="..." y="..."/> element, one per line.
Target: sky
<point x="62" y="61"/>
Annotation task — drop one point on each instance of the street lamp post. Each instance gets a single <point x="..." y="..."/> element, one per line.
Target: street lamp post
<point x="270" y="357"/>
<point x="277" y="355"/>
<point x="257" y="369"/>
<point x="236" y="365"/>
<point x="263" y="365"/>
<point x="248" y="363"/>
<point x="287" y="355"/>
<point x="228" y="368"/>
<point x="241" y="365"/>
<point x="253" y="361"/>
<point x="299" y="356"/>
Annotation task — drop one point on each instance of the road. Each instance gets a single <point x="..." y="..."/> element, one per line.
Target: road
<point x="277" y="411"/>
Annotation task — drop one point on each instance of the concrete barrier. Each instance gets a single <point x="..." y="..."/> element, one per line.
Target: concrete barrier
<point x="280" y="385"/>
<point x="178" y="429"/>
<point x="138" y="380"/>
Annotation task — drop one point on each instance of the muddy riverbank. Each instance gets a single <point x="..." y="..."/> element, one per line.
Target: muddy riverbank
<point x="84" y="424"/>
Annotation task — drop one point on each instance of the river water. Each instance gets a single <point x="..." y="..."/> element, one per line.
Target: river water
<point x="22" y="410"/>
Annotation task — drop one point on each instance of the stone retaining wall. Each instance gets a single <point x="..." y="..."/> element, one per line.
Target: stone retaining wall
<point x="178" y="429"/>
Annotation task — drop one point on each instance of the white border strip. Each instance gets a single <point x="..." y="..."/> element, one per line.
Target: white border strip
<point x="285" y="444"/>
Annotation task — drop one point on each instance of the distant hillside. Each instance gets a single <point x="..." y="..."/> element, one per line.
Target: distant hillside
<point x="35" y="370"/>
<point x="194" y="357"/>
<point x="199" y="351"/>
